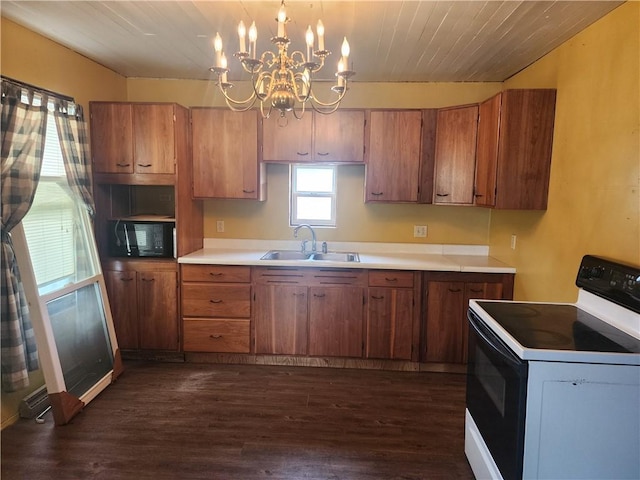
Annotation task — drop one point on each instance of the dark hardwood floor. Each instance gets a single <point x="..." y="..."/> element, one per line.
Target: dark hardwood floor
<point x="201" y="421"/>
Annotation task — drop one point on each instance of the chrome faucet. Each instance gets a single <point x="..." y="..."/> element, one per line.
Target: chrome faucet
<point x="313" y="236"/>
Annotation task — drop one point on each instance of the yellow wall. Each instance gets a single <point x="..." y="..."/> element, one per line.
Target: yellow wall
<point x="594" y="194"/>
<point x="33" y="59"/>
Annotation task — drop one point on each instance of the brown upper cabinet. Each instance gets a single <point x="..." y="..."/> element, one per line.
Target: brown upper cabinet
<point x="455" y="155"/>
<point x="134" y="139"/>
<point x="515" y="137"/>
<point x="225" y="154"/>
<point x="315" y="138"/>
<point x="393" y="156"/>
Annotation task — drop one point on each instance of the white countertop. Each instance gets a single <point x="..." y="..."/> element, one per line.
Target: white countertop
<point x="399" y="256"/>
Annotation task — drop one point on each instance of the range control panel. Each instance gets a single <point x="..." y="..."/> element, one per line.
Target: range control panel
<point x="612" y="280"/>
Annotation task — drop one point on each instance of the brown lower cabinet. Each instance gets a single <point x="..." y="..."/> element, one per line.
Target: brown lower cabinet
<point x="332" y="312"/>
<point x="313" y="311"/>
<point x="216" y="308"/>
<point x="447" y="298"/>
<point x="143" y="304"/>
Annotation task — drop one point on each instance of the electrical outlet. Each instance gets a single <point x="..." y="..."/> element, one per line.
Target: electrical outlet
<point x="220" y="226"/>
<point x="420" y="231"/>
<point x="513" y="242"/>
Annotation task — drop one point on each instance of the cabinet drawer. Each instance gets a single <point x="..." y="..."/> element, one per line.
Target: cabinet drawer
<point x="338" y="276"/>
<point x="278" y="275"/>
<point x="223" y="335"/>
<point x="391" y="278"/>
<point x="204" y="300"/>
<point x="216" y="273"/>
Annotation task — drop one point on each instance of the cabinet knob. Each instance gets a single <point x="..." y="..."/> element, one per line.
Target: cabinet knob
<point x="215" y="301"/>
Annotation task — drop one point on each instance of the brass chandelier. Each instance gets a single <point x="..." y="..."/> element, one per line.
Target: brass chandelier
<point x="280" y="80"/>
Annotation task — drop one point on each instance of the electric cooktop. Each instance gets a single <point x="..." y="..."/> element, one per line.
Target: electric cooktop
<point x="559" y="327"/>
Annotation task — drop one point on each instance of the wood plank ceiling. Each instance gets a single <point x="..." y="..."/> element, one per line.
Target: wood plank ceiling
<point x="391" y="41"/>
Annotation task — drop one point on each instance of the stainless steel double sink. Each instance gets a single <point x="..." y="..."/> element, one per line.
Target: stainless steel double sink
<point x="311" y="256"/>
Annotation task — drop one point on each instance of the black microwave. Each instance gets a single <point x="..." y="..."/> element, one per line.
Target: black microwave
<point x="141" y="239"/>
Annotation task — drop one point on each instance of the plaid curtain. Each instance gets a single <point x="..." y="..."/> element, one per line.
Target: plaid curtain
<point x="72" y="132"/>
<point x="23" y="135"/>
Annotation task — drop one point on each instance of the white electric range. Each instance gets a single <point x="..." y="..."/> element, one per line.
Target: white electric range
<point x="553" y="390"/>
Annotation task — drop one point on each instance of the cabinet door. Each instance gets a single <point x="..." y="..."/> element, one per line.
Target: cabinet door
<point x="336" y="321"/>
<point x="280" y="319"/>
<point x="524" y="151"/>
<point x="393" y="162"/>
<point x="122" y="291"/>
<point x="225" y="153"/>
<point x="154" y="138"/>
<point x="455" y="155"/>
<point x="112" y="137"/>
<point x="390" y="323"/>
<point x="339" y="137"/>
<point x="487" y="154"/>
<point x="287" y="140"/>
<point x="445" y="329"/>
<point x="158" y="310"/>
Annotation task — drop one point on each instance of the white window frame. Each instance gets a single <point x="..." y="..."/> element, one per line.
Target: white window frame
<point x="43" y="329"/>
<point x="294" y="194"/>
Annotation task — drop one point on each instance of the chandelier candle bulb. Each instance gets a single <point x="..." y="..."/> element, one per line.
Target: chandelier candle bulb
<point x="282" y="18"/>
<point x="320" y="30"/>
<point x="345" y="53"/>
<point x="253" y="37"/>
<point x="309" y="37"/>
<point x="217" y="46"/>
<point x="340" y="70"/>
<point x="223" y="64"/>
<point x="242" y="33"/>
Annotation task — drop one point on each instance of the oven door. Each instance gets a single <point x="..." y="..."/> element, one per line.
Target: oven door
<point x="496" y="396"/>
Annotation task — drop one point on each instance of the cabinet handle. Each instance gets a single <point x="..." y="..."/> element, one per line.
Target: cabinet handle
<point x="215" y="301"/>
<point x="215" y="274"/>
<point x="442" y="194"/>
<point x="478" y="195"/>
<point x="298" y="294"/>
<point x="302" y="154"/>
<point x="319" y="295"/>
<point x="247" y="191"/>
<point x="123" y="164"/>
<point x="323" y="154"/>
<point x="126" y="279"/>
<point x="390" y="279"/>
<point x="476" y="290"/>
<point x="377" y="298"/>
<point x="215" y="337"/>
<point x="454" y="290"/>
<point x="145" y="165"/>
<point x="377" y="193"/>
<point x="148" y="279"/>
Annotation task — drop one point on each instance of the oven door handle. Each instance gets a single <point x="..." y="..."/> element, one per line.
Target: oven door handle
<point x="494" y="342"/>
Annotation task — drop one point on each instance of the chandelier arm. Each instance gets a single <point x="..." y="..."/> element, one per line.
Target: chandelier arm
<point x="251" y="100"/>
<point x="335" y="103"/>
